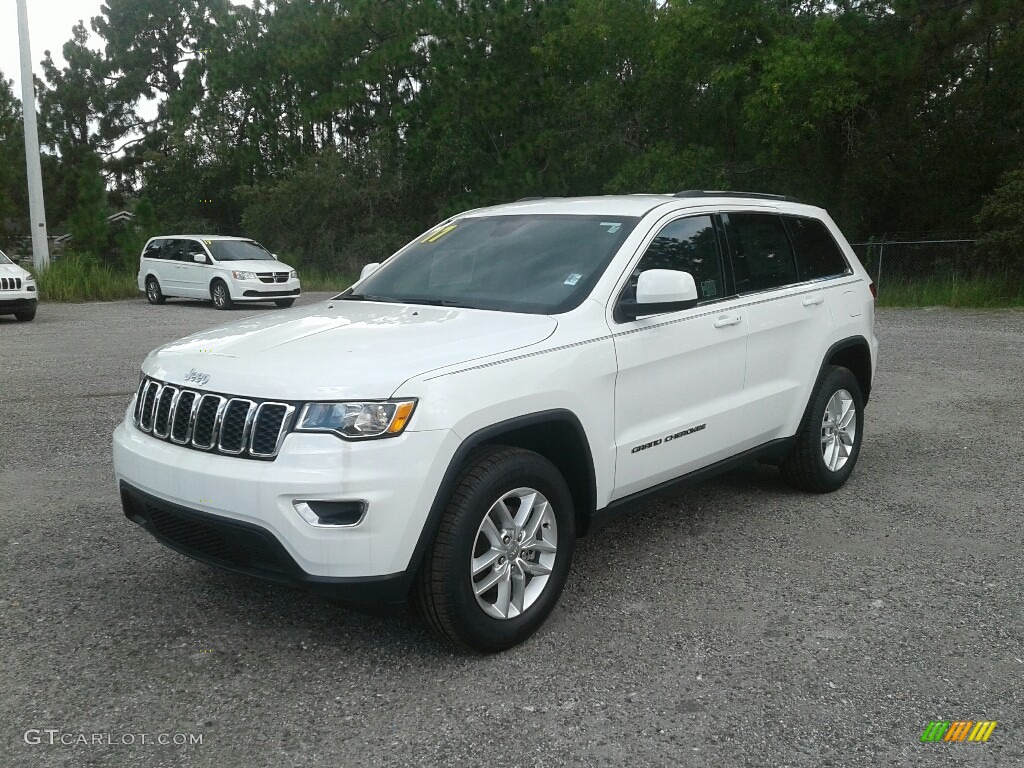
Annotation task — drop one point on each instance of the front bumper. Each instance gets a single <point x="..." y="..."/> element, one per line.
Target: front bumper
<point x="249" y="549"/>
<point x="244" y="501"/>
<point x="16" y="301"/>
<point x="256" y="290"/>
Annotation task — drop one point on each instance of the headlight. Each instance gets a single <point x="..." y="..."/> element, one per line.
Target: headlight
<point x="293" y="274"/>
<point x="242" y="275"/>
<point x="357" y="419"/>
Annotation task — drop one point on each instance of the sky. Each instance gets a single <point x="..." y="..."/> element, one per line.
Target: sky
<point x="49" y="24"/>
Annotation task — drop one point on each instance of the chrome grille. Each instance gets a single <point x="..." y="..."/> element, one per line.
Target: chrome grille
<point x="235" y="426"/>
<point x="10" y="283"/>
<point x="272" y="277"/>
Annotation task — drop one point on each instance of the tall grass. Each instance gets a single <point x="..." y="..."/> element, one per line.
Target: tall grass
<point x="973" y="293"/>
<point x="80" y="278"/>
<point x="314" y="279"/>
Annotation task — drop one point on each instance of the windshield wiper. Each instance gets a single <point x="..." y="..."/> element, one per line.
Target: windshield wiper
<point x="436" y="302"/>
<point x="364" y="297"/>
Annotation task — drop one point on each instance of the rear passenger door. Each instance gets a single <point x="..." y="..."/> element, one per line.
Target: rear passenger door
<point x="790" y="324"/>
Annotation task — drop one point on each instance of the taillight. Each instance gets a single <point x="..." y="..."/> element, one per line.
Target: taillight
<point x="874" y="291"/>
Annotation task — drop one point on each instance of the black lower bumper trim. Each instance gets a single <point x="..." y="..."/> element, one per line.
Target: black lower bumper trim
<point x="16" y="305"/>
<point x="272" y="294"/>
<point x="249" y="549"/>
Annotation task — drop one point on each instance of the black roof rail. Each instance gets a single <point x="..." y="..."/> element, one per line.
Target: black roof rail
<point x="755" y="195"/>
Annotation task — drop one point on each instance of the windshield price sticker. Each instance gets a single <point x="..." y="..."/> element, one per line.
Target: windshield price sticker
<point x="433" y="237"/>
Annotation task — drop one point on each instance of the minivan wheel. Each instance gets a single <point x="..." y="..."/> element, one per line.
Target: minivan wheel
<point x="829" y="439"/>
<point x="284" y="303"/>
<point x="502" y="552"/>
<point x="153" y="292"/>
<point x="221" y="295"/>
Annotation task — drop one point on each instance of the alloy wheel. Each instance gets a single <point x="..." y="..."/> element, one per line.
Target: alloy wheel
<point x="514" y="553"/>
<point x="838" y="430"/>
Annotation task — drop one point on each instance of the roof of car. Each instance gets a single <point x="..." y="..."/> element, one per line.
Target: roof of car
<point x="637" y="205"/>
<point x="200" y="237"/>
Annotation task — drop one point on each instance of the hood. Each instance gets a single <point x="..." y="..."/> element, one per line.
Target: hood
<point x="256" y="265"/>
<point x="13" y="270"/>
<point x="341" y="349"/>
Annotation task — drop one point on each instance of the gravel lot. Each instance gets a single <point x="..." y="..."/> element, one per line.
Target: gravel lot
<point x="737" y="624"/>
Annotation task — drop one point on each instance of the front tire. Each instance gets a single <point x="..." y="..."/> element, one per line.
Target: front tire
<point x="829" y="439"/>
<point x="25" y="315"/>
<point x="153" y="293"/>
<point x="221" y="295"/>
<point x="284" y="303"/>
<point x="502" y="552"/>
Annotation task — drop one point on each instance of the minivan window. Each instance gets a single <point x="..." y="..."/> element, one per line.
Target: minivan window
<point x="174" y="250"/>
<point x="817" y="254"/>
<point x="238" y="250"/>
<point x="154" y="250"/>
<point x="194" y="249"/>
<point x="761" y="255"/>
<point x="687" y="245"/>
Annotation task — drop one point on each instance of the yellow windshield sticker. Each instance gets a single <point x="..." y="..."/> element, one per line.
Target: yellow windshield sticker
<point x="433" y="237"/>
<point x="208" y="242"/>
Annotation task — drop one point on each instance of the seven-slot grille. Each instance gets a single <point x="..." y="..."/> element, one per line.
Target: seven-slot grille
<point x="10" y="283"/>
<point x="272" y="277"/>
<point x="205" y="421"/>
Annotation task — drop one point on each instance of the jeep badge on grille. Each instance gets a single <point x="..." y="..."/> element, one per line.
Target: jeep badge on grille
<point x="199" y="378"/>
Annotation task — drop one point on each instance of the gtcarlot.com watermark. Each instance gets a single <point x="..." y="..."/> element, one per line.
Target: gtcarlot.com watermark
<point x="59" y="738"/>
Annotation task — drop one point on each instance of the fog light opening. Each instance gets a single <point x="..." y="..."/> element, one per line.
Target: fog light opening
<point x="331" y="514"/>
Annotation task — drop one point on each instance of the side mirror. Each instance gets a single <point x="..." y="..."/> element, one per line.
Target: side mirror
<point x="368" y="270"/>
<point x="660" y="290"/>
<point x="199" y="258"/>
<point x="275" y="257"/>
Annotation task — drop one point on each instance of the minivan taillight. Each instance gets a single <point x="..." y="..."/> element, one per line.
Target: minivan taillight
<point x="874" y="291"/>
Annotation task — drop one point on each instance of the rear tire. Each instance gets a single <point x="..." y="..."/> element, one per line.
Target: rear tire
<point x="284" y="303"/>
<point x="24" y="315"/>
<point x="829" y="439"/>
<point x="221" y="295"/>
<point x="502" y="552"/>
<point x="153" y="293"/>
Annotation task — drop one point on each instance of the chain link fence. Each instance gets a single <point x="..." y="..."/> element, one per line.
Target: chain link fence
<point x="904" y="260"/>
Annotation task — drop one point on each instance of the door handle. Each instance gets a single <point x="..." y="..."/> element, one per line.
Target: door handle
<point x="810" y="301"/>
<point x="724" y="321"/>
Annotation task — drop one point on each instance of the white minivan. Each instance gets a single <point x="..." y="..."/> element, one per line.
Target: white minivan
<point x="225" y="270"/>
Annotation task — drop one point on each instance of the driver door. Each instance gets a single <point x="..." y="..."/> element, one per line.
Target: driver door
<point x="680" y="374"/>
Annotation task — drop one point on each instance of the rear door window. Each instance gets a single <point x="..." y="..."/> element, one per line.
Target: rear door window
<point x="175" y="250"/>
<point x="817" y="254"/>
<point x="760" y="252"/>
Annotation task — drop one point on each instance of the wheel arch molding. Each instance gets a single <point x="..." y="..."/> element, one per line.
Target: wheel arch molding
<point x="557" y="435"/>
<point x="853" y="353"/>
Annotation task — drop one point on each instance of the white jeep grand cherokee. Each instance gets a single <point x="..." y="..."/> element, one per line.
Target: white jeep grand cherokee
<point x="445" y="429"/>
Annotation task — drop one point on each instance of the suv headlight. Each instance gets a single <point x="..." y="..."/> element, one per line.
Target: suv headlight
<point x="239" y="274"/>
<point x="357" y="419"/>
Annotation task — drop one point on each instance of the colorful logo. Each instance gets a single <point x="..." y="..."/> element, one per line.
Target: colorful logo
<point x="959" y="730"/>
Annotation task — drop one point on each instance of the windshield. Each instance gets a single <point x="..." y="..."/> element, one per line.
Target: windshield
<point x="535" y="263"/>
<point x="4" y="259"/>
<point x="238" y="250"/>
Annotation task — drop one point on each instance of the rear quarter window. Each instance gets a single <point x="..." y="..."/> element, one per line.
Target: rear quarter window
<point x="817" y="254"/>
<point x="154" y="249"/>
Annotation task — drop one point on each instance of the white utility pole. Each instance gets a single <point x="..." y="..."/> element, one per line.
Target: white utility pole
<point x="36" y="207"/>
